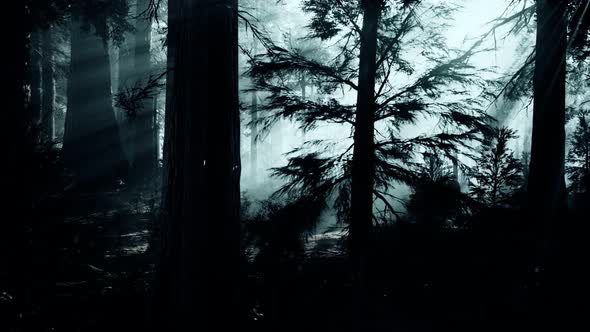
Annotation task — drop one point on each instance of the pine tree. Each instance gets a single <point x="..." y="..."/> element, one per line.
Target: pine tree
<point x="497" y="175"/>
<point x="388" y="156"/>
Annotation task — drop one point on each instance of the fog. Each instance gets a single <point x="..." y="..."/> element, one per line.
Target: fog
<point x="472" y="20"/>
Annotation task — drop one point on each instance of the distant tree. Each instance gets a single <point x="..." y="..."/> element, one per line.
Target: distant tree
<point x="35" y="76"/>
<point x="578" y="161"/>
<point x="144" y="145"/>
<point x="48" y="78"/>
<point x="200" y="270"/>
<point x="497" y="175"/>
<point x="92" y="147"/>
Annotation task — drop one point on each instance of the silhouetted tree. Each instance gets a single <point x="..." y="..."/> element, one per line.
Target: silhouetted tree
<point x="391" y="106"/>
<point x="201" y="255"/>
<point x="546" y="180"/>
<point x="17" y="131"/>
<point x="363" y="157"/>
<point x="497" y="175"/>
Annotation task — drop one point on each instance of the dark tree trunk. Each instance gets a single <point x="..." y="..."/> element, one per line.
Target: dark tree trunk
<point x="16" y="174"/>
<point x="303" y="85"/>
<point x="143" y="144"/>
<point x="92" y="149"/>
<point x="254" y="118"/>
<point x="201" y="255"/>
<point x="254" y="139"/>
<point x="35" y="72"/>
<point x="363" y="162"/>
<point x="546" y="182"/>
<point x="48" y="73"/>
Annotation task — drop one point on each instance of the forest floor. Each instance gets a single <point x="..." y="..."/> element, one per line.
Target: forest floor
<point x="105" y="268"/>
<point x="101" y="274"/>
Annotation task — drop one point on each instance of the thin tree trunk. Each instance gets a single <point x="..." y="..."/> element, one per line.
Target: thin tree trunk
<point x="125" y="81"/>
<point x="253" y="123"/>
<point x="304" y="97"/>
<point x="35" y="70"/>
<point x="546" y="183"/>
<point x="92" y="148"/>
<point x="48" y="72"/>
<point x="156" y="134"/>
<point x="254" y="139"/>
<point x="143" y="144"/>
<point x="201" y="256"/>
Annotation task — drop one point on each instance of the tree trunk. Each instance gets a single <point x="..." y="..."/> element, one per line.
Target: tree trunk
<point x="92" y="149"/>
<point x="143" y="144"/>
<point x="363" y="162"/>
<point x="35" y="72"/>
<point x="546" y="182"/>
<point x="201" y="256"/>
<point x="303" y="85"/>
<point x="254" y="139"/>
<point x="48" y="73"/>
<point x="254" y="118"/>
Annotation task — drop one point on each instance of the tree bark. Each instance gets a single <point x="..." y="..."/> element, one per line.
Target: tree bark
<point x="92" y="149"/>
<point x="546" y="182"/>
<point x="48" y="74"/>
<point x="201" y="255"/>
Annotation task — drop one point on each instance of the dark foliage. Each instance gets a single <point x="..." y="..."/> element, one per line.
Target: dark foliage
<point x="278" y="229"/>
<point x="497" y="175"/>
<point x="436" y="199"/>
<point x="131" y="99"/>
